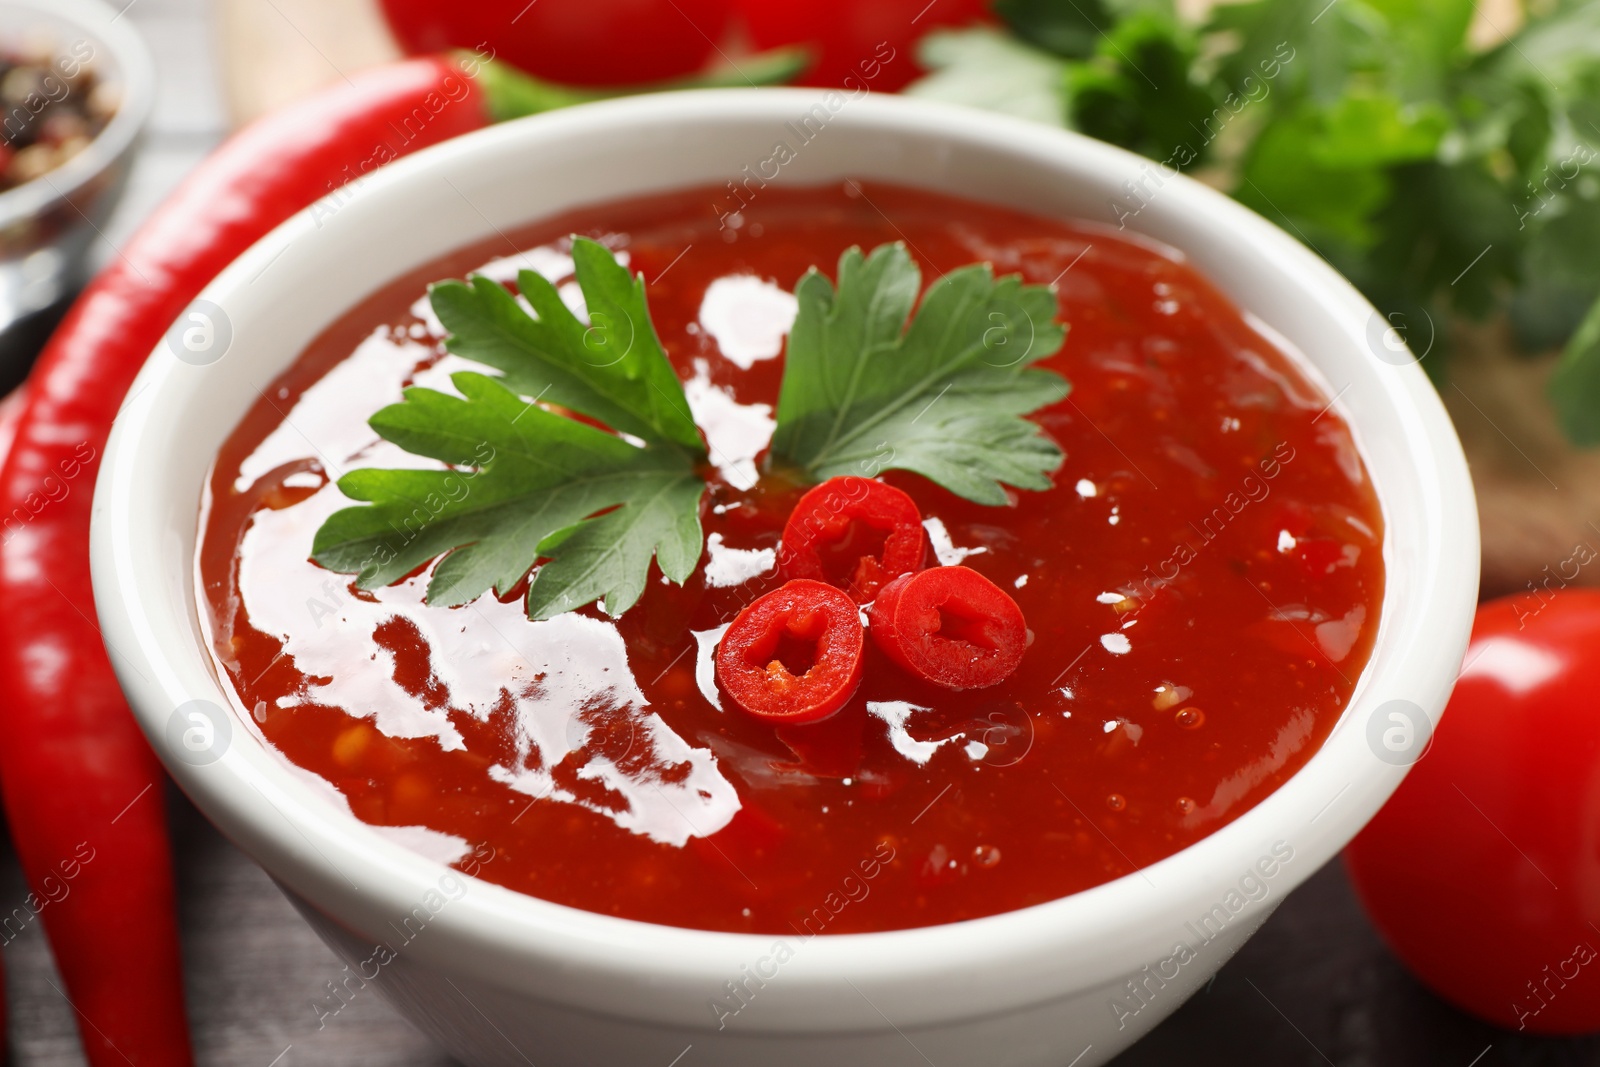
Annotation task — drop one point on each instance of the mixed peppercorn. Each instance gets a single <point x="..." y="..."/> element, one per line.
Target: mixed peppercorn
<point x="54" y="103"/>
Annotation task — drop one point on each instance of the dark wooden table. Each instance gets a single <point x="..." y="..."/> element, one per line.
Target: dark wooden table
<point x="1314" y="987"/>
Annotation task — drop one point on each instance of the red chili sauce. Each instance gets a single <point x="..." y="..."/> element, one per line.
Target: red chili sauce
<point x="1202" y="588"/>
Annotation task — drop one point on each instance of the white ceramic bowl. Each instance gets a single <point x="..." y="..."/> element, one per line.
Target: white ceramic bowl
<point x="501" y="978"/>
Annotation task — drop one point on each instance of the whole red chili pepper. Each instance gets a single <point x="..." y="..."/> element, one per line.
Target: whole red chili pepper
<point x="74" y="769"/>
<point x="10" y="414"/>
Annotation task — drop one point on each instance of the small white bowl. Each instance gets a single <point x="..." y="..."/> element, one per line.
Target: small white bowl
<point x="497" y="977"/>
<point x="47" y="225"/>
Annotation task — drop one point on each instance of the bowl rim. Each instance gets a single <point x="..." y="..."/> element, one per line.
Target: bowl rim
<point x="135" y="72"/>
<point x="586" y="959"/>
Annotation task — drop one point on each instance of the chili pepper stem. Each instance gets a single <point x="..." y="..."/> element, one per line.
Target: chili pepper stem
<point x="510" y="93"/>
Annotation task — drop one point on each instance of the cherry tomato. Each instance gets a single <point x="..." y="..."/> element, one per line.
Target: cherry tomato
<point x="858" y="44"/>
<point x="854" y="533"/>
<point x="794" y="655"/>
<point x="1483" y="870"/>
<point x="950" y="626"/>
<point x="575" y="42"/>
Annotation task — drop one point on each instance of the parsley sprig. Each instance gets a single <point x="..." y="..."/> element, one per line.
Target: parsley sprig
<point x="867" y="386"/>
<point x="598" y="506"/>
<point x="864" y="392"/>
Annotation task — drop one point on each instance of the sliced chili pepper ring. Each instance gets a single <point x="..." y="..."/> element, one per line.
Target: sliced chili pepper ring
<point x="950" y="626"/>
<point x="794" y="655"/>
<point x="855" y="533"/>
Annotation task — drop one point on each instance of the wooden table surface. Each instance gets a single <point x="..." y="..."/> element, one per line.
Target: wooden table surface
<point x="1314" y="987"/>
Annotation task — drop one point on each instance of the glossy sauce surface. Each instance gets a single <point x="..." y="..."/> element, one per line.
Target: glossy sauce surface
<point x="1202" y="586"/>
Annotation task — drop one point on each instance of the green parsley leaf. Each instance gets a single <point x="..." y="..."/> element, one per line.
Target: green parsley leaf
<point x="612" y="368"/>
<point x="864" y="392"/>
<point x="1073" y="64"/>
<point x="1138" y="91"/>
<point x="1073" y="29"/>
<point x="1575" y="385"/>
<point x="983" y="68"/>
<point x="1301" y="49"/>
<point x="535" y="484"/>
<point x="526" y="482"/>
<point x="1069" y="28"/>
<point x="1560" y="278"/>
<point x="1324" y="171"/>
<point x="1541" y="92"/>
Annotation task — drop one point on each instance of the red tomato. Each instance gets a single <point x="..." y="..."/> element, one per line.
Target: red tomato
<point x="575" y="42"/>
<point x="794" y="655"/>
<point x="858" y="42"/>
<point x="1483" y="871"/>
<point x="854" y="533"/>
<point x="950" y="626"/>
